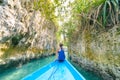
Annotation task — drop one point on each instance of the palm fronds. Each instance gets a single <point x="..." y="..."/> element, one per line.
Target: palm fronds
<point x="108" y="13"/>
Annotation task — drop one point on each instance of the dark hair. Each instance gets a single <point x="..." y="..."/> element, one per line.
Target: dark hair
<point x="60" y="44"/>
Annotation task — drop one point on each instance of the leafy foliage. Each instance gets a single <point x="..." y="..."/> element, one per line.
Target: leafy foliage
<point x="46" y="7"/>
<point x="103" y="13"/>
<point x="109" y="13"/>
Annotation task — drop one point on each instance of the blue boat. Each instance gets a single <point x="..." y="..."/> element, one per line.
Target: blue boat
<point x="56" y="71"/>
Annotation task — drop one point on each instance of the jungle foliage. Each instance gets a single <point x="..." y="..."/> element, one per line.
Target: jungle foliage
<point x="97" y="15"/>
<point x="92" y="15"/>
<point x="47" y="7"/>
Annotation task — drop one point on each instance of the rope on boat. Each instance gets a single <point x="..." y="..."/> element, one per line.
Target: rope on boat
<point x="54" y="70"/>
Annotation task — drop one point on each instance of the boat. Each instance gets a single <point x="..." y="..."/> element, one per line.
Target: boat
<point x="56" y="71"/>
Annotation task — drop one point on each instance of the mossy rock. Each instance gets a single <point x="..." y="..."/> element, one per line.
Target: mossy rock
<point x="15" y="39"/>
<point x="1" y="1"/>
<point x="5" y="39"/>
<point x="118" y="31"/>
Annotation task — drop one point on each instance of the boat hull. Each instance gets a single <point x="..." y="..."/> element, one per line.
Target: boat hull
<point x="56" y="71"/>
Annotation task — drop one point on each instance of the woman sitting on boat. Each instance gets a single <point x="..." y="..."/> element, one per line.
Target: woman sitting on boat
<point x="61" y="53"/>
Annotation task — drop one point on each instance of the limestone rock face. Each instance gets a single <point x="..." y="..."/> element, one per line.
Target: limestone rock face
<point x="104" y="71"/>
<point x="21" y="25"/>
<point x="98" y="43"/>
<point x="100" y="47"/>
<point x="24" y="29"/>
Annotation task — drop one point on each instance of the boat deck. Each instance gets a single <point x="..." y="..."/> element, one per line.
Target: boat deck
<point x="56" y="71"/>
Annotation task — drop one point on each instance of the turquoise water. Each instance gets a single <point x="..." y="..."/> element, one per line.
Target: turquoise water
<point x="20" y="72"/>
<point x="87" y="74"/>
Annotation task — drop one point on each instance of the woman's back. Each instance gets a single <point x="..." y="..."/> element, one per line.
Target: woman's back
<point x="61" y="55"/>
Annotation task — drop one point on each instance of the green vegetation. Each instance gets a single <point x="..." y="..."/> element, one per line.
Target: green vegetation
<point x="1" y="1"/>
<point x="11" y="51"/>
<point x="47" y="7"/>
<point x="97" y="14"/>
<point x="118" y="31"/>
<point x="15" y="39"/>
<point x="16" y="51"/>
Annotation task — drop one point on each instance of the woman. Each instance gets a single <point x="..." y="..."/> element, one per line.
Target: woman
<point x="61" y="53"/>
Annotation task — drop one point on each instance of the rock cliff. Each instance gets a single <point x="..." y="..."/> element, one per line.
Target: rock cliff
<point x="98" y="52"/>
<point x="24" y="31"/>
